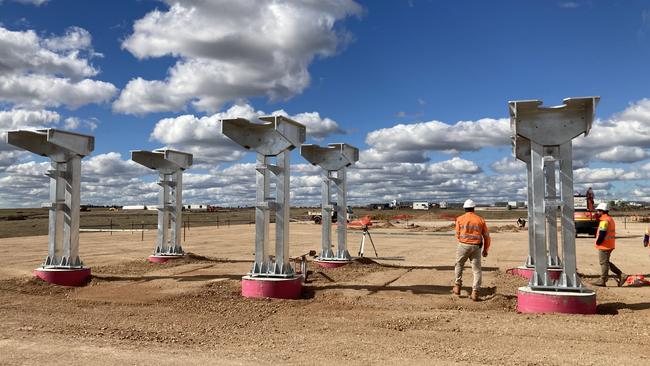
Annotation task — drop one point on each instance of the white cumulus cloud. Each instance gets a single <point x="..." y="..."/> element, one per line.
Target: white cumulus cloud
<point x="112" y="165"/>
<point x="25" y="51"/>
<point x="508" y="165"/>
<point x="624" y="137"/>
<point x="49" y="72"/>
<point x="75" y="38"/>
<point x="623" y="154"/>
<point x="229" y="50"/>
<point x="413" y="140"/>
<point x="49" y="91"/>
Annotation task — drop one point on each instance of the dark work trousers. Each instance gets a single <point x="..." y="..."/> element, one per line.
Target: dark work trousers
<point x="606" y="265"/>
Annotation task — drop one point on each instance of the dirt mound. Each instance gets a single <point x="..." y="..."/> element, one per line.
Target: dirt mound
<point x="506" y="229"/>
<point x="142" y="266"/>
<point x="33" y="286"/>
<point x="432" y="229"/>
<point x="365" y="260"/>
<point x="349" y="272"/>
<point x="450" y="227"/>
<point x="375" y="225"/>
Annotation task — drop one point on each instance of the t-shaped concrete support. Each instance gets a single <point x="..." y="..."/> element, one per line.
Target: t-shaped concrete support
<point x="542" y="137"/>
<point x="273" y="139"/>
<point x="334" y="161"/>
<point x="65" y="150"/>
<point x="170" y="165"/>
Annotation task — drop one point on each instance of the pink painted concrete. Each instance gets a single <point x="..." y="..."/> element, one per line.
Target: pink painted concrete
<point x="529" y="301"/>
<point x="63" y="277"/>
<point x="162" y="258"/>
<point x="277" y="288"/>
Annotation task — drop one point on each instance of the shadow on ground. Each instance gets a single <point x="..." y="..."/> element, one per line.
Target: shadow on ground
<point x="311" y="291"/>
<point x="111" y="278"/>
<point x="613" y="308"/>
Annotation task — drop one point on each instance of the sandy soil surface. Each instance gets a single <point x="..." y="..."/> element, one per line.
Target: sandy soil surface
<point x="388" y="312"/>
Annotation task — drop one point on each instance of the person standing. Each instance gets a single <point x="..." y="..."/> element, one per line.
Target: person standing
<point x="646" y="237"/>
<point x="606" y="243"/>
<point x="473" y="241"/>
<point x="590" y="199"/>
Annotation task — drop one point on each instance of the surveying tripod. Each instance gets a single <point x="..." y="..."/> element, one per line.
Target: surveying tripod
<point x="363" y="241"/>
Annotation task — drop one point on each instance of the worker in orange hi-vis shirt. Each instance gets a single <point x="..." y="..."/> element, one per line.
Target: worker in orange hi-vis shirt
<point x="606" y="243"/>
<point x="473" y="240"/>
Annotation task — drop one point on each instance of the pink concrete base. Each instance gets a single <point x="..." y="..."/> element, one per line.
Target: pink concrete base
<point x="162" y="258"/>
<point x="530" y="301"/>
<point x="331" y="263"/>
<point x="527" y="272"/>
<point x="63" y="276"/>
<point x="277" y="288"/>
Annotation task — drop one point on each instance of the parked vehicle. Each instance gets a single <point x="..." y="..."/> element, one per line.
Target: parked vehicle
<point x="420" y="205"/>
<point x="586" y="221"/>
<point x="317" y="216"/>
<point x="379" y="206"/>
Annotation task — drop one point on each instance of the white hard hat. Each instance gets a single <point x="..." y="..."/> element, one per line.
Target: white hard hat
<point x="469" y="204"/>
<point x="602" y="207"/>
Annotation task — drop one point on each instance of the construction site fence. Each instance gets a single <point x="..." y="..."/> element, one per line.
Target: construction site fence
<point x="187" y="224"/>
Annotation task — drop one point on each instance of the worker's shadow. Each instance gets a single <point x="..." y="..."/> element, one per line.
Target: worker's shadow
<point x="310" y="292"/>
<point x="451" y="268"/>
<point x="179" y="278"/>
<point x="611" y="277"/>
<point x="437" y="268"/>
<point x="612" y="308"/>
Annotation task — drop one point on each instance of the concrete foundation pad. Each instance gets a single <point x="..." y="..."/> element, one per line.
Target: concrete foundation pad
<point x="527" y="272"/>
<point x="277" y="288"/>
<point x="332" y="263"/>
<point x="63" y="276"/>
<point x="532" y="301"/>
<point x="163" y="258"/>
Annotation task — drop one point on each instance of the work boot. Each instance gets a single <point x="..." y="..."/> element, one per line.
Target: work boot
<point x="456" y="289"/>
<point x="621" y="279"/>
<point x="474" y="295"/>
<point x="600" y="283"/>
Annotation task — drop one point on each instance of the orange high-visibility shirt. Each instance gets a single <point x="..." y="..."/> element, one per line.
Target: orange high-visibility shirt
<point x="607" y="224"/>
<point x="471" y="229"/>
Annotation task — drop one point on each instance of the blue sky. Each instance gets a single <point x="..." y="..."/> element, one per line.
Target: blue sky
<point x="363" y="67"/>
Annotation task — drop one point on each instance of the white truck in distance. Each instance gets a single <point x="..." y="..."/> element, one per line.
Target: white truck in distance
<point x="420" y="205"/>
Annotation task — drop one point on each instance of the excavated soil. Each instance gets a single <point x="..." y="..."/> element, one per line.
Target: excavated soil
<point x="432" y="229"/>
<point x="371" y="311"/>
<point x="506" y="228"/>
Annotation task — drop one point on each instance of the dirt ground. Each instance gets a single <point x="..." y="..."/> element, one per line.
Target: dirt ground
<point x="190" y="312"/>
